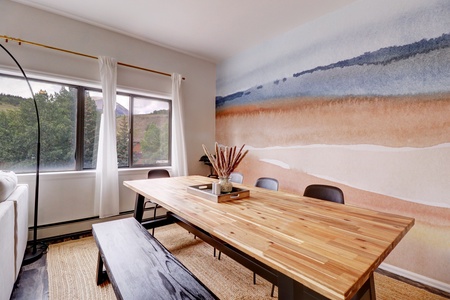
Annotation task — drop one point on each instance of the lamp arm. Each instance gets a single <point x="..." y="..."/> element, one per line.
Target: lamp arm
<point x="38" y="153"/>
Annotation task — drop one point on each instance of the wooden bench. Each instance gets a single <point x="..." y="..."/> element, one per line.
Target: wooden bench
<point x="140" y="267"/>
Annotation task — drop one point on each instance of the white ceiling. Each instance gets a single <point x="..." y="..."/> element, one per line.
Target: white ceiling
<point x="210" y="29"/>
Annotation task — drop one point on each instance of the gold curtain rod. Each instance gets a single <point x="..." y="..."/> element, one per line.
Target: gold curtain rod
<point x="20" y="41"/>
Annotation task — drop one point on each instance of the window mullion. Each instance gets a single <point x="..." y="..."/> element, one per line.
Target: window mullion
<point x="79" y="151"/>
<point x="130" y="132"/>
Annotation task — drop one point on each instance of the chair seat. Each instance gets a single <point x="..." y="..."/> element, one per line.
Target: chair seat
<point x="324" y="192"/>
<point x="267" y="183"/>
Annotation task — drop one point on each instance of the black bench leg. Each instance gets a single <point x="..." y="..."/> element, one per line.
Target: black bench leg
<point x="101" y="275"/>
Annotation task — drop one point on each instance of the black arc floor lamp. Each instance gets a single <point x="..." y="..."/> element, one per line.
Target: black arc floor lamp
<point x="35" y="250"/>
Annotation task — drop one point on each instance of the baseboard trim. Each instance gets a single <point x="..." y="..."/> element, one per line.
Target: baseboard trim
<point x="445" y="287"/>
<point x="57" y="230"/>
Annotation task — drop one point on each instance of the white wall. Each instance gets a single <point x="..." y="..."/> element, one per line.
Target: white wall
<point x="68" y="196"/>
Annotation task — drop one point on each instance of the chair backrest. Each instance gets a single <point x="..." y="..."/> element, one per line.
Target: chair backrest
<point x="158" y="173"/>
<point x="236" y="177"/>
<point x="267" y="183"/>
<point x="324" y="192"/>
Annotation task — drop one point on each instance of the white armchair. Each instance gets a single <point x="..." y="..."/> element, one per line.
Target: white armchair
<point x="7" y="265"/>
<point x="13" y="231"/>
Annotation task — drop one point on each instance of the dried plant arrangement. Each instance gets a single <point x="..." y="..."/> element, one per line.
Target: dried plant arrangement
<point x="226" y="159"/>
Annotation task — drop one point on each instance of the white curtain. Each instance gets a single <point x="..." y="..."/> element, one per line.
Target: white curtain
<point x="179" y="161"/>
<point x="107" y="175"/>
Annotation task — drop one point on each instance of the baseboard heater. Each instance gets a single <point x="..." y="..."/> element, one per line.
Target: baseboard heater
<point x="78" y="227"/>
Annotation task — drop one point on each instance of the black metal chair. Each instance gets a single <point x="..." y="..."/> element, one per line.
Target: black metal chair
<point x="324" y="192"/>
<point x="270" y="184"/>
<point x="263" y="182"/>
<point x="267" y="183"/>
<point x="156" y="173"/>
<point x="236" y="177"/>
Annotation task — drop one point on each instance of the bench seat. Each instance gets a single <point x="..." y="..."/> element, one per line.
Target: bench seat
<point x="140" y="267"/>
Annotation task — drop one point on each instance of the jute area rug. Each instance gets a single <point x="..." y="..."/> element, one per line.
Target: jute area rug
<point x="72" y="267"/>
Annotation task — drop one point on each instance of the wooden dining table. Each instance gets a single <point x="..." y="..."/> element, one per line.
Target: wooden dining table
<point x="312" y="249"/>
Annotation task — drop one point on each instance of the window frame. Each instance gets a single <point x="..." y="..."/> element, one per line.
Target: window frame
<point x="80" y="120"/>
<point x="132" y="97"/>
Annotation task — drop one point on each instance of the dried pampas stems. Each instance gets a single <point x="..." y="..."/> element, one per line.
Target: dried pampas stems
<point x="226" y="159"/>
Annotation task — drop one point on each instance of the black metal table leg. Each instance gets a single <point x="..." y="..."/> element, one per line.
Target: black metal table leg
<point x="139" y="207"/>
<point x="290" y="289"/>
<point x="101" y="275"/>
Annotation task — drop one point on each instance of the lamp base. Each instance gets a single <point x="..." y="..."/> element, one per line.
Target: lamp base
<point x="33" y="253"/>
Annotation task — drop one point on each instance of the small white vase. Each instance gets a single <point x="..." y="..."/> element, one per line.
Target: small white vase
<point x="225" y="185"/>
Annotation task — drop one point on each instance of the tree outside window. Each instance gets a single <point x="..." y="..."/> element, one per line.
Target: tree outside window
<point x="148" y="142"/>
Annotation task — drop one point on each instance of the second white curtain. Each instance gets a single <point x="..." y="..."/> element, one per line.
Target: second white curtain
<point x="107" y="175"/>
<point x="179" y="161"/>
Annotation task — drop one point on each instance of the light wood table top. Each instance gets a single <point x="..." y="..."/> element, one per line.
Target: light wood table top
<point x="331" y="248"/>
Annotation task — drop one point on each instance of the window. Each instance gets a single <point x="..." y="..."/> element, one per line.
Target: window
<point x="70" y="121"/>
<point x="18" y="129"/>
<point x="151" y="127"/>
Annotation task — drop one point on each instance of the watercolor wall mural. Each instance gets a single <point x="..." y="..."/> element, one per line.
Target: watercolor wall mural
<point x="359" y="99"/>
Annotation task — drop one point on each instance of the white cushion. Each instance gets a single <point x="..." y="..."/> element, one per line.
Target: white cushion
<point x="7" y="268"/>
<point x="8" y="183"/>
<point x="20" y="200"/>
